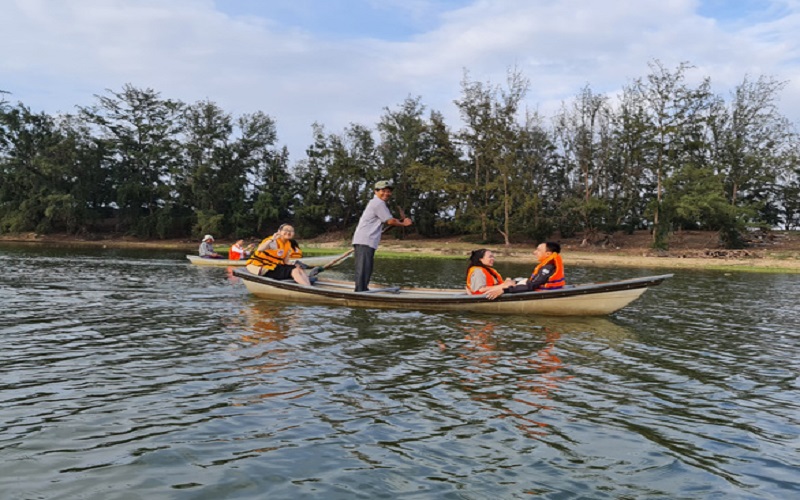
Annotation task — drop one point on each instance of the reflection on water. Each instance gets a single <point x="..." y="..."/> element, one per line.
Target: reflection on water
<point x="129" y="376"/>
<point x="517" y="387"/>
<point x="264" y="329"/>
<point x="264" y="323"/>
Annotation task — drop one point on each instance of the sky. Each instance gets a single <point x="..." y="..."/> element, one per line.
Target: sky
<point x="344" y="62"/>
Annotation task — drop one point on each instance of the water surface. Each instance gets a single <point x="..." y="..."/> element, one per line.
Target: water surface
<point x="128" y="375"/>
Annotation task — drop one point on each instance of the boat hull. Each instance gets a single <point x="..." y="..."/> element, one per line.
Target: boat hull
<point x="202" y="261"/>
<point x="596" y="299"/>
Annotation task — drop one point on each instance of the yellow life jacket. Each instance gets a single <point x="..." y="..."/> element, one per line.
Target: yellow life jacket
<point x="271" y="257"/>
<point x="295" y="252"/>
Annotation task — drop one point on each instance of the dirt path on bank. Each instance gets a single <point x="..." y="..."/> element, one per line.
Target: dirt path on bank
<point x="632" y="258"/>
<point x="688" y="250"/>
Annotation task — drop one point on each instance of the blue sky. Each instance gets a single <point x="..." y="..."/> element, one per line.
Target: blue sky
<point x="338" y="62"/>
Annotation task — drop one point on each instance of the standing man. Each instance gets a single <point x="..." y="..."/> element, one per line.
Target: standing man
<point x="368" y="233"/>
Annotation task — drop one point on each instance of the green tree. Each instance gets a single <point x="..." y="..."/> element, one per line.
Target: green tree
<point x="492" y="139"/>
<point x="140" y="131"/>
<point x="697" y="200"/>
<point x="787" y="192"/>
<point x="37" y="174"/>
<point x="352" y="173"/>
<point x="259" y="177"/>
<point x="584" y="135"/>
<point x="432" y="179"/>
<point x="312" y="186"/>
<point x="208" y="159"/>
<point x="90" y="179"/>
<point x="754" y="145"/>
<point x="403" y="136"/>
<point x="673" y="112"/>
<point x="632" y="152"/>
<point x="275" y="202"/>
<point x="540" y="183"/>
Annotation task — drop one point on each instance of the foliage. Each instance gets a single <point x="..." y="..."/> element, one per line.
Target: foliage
<point x="664" y="154"/>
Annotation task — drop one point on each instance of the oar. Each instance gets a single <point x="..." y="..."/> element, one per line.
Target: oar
<point x="330" y="264"/>
<point x="339" y="259"/>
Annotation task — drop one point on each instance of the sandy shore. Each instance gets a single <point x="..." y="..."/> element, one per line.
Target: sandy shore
<point x="777" y="259"/>
<point x="788" y="262"/>
<point x="751" y="264"/>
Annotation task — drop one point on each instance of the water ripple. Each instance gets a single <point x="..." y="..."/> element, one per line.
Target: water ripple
<point x="138" y="377"/>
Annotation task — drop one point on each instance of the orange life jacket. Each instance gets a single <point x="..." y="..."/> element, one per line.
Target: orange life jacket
<point x="492" y="277"/>
<point x="271" y="257"/>
<point x="235" y="252"/>
<point x="557" y="280"/>
<point x="295" y="252"/>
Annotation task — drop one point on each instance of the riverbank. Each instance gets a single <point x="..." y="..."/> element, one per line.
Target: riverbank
<point x="782" y="258"/>
<point x="773" y="252"/>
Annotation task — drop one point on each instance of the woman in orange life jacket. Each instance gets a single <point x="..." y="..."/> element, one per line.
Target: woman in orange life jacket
<point x="548" y="274"/>
<point x="271" y="257"/>
<point x="481" y="275"/>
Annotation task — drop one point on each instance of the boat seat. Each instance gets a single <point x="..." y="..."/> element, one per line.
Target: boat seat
<point x="393" y="289"/>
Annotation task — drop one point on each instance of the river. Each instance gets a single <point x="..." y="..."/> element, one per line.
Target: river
<point x="127" y="375"/>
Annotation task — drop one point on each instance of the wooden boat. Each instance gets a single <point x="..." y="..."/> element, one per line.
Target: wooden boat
<point x="309" y="261"/>
<point x="592" y="299"/>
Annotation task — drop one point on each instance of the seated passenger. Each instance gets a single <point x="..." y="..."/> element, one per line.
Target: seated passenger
<point x="482" y="278"/>
<point x="207" y="249"/>
<point x="548" y="275"/>
<point x="238" y="251"/>
<point x="271" y="257"/>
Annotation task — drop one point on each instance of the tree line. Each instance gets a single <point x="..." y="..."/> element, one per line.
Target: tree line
<point x="663" y="154"/>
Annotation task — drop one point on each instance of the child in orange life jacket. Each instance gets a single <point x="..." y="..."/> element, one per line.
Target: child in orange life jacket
<point x="481" y="275"/>
<point x="548" y="275"/>
<point x="237" y="251"/>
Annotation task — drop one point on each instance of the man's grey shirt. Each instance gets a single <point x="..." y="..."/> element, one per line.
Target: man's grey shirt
<point x="368" y="231"/>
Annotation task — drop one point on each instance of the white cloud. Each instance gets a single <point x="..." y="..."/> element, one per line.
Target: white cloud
<point x="64" y="52"/>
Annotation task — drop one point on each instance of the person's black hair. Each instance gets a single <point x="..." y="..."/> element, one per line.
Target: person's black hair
<point x="475" y="258"/>
<point x="552" y="246"/>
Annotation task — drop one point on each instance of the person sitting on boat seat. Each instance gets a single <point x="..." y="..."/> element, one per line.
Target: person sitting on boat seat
<point x="271" y="257"/>
<point x="548" y="274"/>
<point x="238" y="251"/>
<point x="207" y="249"/>
<point x="482" y="278"/>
